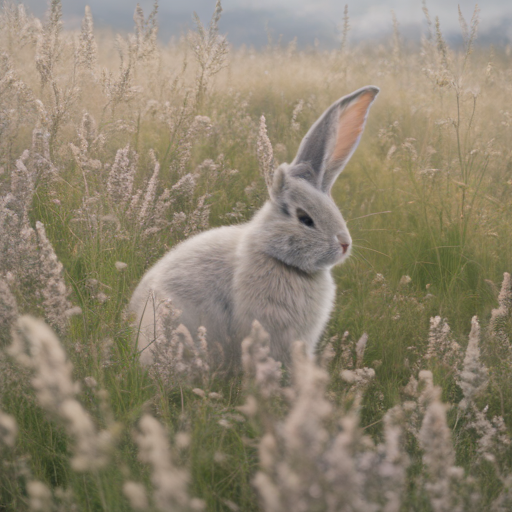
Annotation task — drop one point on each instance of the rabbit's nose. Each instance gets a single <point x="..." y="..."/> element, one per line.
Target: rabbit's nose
<point x="343" y="242"/>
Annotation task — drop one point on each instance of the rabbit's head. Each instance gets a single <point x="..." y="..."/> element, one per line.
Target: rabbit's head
<point x="302" y="225"/>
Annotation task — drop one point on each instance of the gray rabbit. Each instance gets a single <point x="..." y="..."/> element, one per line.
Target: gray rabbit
<point x="276" y="268"/>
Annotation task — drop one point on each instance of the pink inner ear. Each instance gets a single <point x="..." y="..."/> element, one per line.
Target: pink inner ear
<point x="350" y="126"/>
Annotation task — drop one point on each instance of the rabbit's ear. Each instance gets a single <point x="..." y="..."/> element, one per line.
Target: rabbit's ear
<point x="330" y="142"/>
<point x="278" y="183"/>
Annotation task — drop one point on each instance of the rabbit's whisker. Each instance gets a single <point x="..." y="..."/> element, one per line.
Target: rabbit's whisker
<point x="373" y="250"/>
<point x="360" y="257"/>
<point x="369" y="215"/>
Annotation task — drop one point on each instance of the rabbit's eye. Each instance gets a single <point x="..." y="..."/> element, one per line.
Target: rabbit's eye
<point x="304" y="218"/>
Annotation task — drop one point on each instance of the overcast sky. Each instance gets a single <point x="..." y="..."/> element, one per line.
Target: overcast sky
<point x="244" y="20"/>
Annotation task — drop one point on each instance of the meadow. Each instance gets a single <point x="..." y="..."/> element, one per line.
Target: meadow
<point x="114" y="148"/>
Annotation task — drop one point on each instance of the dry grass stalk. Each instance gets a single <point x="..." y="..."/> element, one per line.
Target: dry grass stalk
<point x="439" y="457"/>
<point x="37" y="348"/>
<point x="8" y="311"/>
<point x="265" y="154"/>
<point x="441" y="346"/>
<point x="170" y="482"/>
<point x="210" y="50"/>
<point x="306" y="465"/>
<point x="261" y="372"/>
<point x="473" y="377"/>
<point x="39" y="496"/>
<point x="54" y="289"/>
<point x="49" y="45"/>
<point x="86" y="56"/>
<point x="499" y="317"/>
<point x="8" y="430"/>
<point x="177" y="358"/>
<point x="146" y="33"/>
<point x="136" y="494"/>
<point x="121" y="176"/>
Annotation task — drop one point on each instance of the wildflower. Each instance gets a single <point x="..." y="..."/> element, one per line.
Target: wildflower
<point x="74" y="311"/>
<point x="378" y="279"/>
<point x="8" y="430"/>
<point x="250" y="408"/>
<point x="360" y="346"/>
<point x="185" y="186"/>
<point x="260" y="369"/>
<point x="421" y="393"/>
<point x="441" y="346"/>
<point x="393" y="468"/>
<point x="87" y="49"/>
<point x="198" y="220"/>
<point x="199" y="392"/>
<point x="203" y="344"/>
<point x="497" y="329"/>
<point x="136" y="494"/>
<point x="146" y="32"/>
<point x="200" y="125"/>
<point x="49" y="45"/>
<point x="435" y="439"/>
<point x="327" y="355"/>
<point x="8" y="310"/>
<point x="90" y="382"/>
<point x="492" y="436"/>
<point x="102" y="297"/>
<point x="149" y="196"/>
<point x="175" y="355"/>
<point x="121" y="176"/>
<point x="41" y="164"/>
<point x="360" y="377"/>
<point x="473" y="377"/>
<point x="91" y="447"/>
<point x="36" y="347"/>
<point x="269" y="492"/>
<point x="210" y="51"/>
<point x="22" y="186"/>
<point x="505" y="296"/>
<point x="265" y="154"/>
<point x="232" y="506"/>
<point x="439" y="457"/>
<point x="40" y="497"/>
<point x="347" y="359"/>
<point x="405" y="280"/>
<point x="429" y="393"/>
<point x="182" y="440"/>
<point x="169" y="482"/>
<point x="294" y="125"/>
<point x="54" y="290"/>
<point x="159" y="220"/>
<point x="303" y="426"/>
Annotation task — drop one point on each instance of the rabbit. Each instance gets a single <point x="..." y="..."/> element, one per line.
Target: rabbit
<point x="276" y="268"/>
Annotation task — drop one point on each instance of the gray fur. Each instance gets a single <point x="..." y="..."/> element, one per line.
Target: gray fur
<point x="274" y="269"/>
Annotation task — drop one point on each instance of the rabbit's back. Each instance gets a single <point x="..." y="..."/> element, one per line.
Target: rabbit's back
<point x="197" y="276"/>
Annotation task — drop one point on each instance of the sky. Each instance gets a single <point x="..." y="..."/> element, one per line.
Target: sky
<point x="247" y="21"/>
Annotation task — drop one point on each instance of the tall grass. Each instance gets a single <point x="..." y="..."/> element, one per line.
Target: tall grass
<point x="114" y="149"/>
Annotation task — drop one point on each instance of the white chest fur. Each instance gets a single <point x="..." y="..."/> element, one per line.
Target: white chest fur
<point x="290" y="304"/>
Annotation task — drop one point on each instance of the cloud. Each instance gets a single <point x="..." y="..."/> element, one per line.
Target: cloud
<point x="245" y="20"/>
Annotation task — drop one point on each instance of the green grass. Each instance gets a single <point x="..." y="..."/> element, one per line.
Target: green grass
<point x="450" y="233"/>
